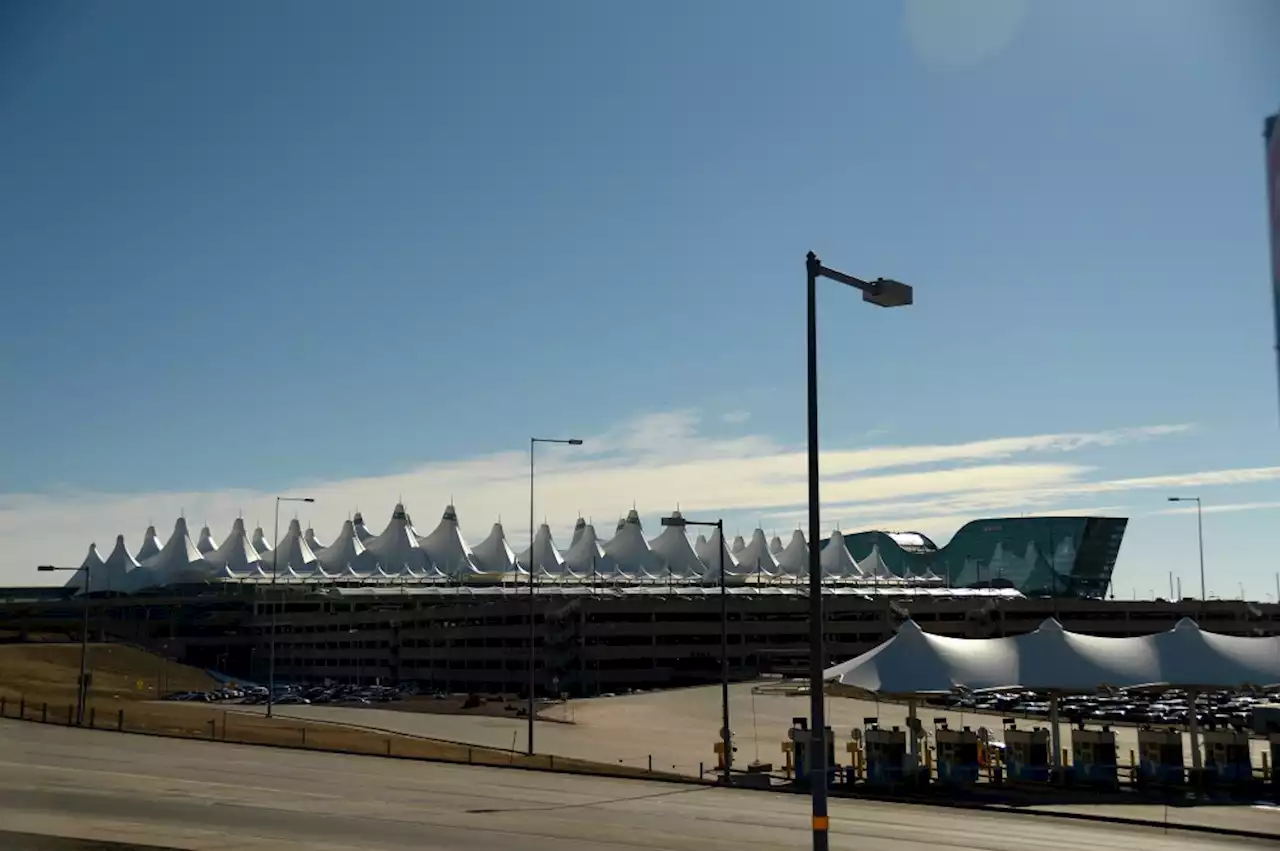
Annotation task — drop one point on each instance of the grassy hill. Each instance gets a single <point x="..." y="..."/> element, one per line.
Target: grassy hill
<point x="47" y="672"/>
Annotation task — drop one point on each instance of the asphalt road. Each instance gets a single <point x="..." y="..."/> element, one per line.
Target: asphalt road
<point x="206" y="796"/>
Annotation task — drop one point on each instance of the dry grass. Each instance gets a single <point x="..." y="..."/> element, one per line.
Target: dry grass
<point x="47" y="672"/>
<point x="37" y="683"/>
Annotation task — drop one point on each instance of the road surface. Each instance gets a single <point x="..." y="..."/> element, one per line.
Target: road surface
<point x="209" y="796"/>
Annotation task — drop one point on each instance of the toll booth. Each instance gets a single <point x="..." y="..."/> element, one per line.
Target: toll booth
<point x="1093" y="757"/>
<point x="957" y="756"/>
<point x="1160" y="759"/>
<point x="1026" y="755"/>
<point x="1227" y="761"/>
<point x="802" y="740"/>
<point x="886" y="754"/>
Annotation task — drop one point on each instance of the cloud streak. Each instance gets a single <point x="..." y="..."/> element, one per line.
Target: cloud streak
<point x="654" y="462"/>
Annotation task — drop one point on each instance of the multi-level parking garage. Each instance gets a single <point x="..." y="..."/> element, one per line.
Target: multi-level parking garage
<point x="588" y="640"/>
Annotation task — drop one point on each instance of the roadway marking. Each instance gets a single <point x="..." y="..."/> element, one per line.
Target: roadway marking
<point x="153" y="779"/>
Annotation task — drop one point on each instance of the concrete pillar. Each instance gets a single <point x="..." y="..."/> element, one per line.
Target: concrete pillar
<point x="1193" y="728"/>
<point x="1055" y="733"/>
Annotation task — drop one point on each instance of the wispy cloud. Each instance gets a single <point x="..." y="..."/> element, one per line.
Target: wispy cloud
<point x="655" y="462"/>
<point x="1227" y="508"/>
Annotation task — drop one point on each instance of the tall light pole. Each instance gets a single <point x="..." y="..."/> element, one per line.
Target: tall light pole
<point x="533" y="442"/>
<point x="275" y="563"/>
<point x="726" y="735"/>
<point x="82" y="687"/>
<point x="1200" y="536"/>
<point x="882" y="293"/>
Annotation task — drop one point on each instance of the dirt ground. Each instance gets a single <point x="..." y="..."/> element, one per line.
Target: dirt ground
<point x="47" y="672"/>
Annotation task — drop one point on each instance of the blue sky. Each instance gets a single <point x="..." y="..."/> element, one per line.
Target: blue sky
<point x="249" y="248"/>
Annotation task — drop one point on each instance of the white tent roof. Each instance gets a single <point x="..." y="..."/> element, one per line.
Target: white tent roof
<point x="292" y="556"/>
<point x="445" y="547"/>
<point x="579" y="526"/>
<point x="363" y="532"/>
<point x="794" y="559"/>
<point x="873" y="565"/>
<point x="119" y="564"/>
<point x="260" y="542"/>
<point x="775" y="545"/>
<point x="494" y="554"/>
<point x="345" y="556"/>
<point x="396" y="551"/>
<point x="739" y="544"/>
<point x="673" y="546"/>
<point x="702" y="548"/>
<point x="236" y="556"/>
<point x="586" y="557"/>
<point x="756" y="557"/>
<point x="178" y="561"/>
<point x="90" y="570"/>
<point x="542" y="554"/>
<point x="310" y="537"/>
<point x="711" y="560"/>
<point x="205" y="542"/>
<point x="629" y="552"/>
<point x="836" y="561"/>
<point x="150" y="545"/>
<point x="915" y="662"/>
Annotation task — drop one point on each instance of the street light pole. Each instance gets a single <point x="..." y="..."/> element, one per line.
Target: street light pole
<point x="882" y="293"/>
<point x="533" y="442"/>
<point x="1200" y="538"/>
<point x="275" y="562"/>
<point x="82" y="689"/>
<point x="726" y="734"/>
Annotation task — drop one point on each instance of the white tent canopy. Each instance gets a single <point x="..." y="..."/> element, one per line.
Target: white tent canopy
<point x="363" y="532"/>
<point x="177" y="562"/>
<point x="236" y="557"/>
<point x="757" y="557"/>
<point x="579" y="526"/>
<point x="586" y="557"/>
<point x="260" y="542"/>
<point x="150" y="545"/>
<point x="716" y="547"/>
<point x="542" y="558"/>
<point x="836" y="561"/>
<point x="119" y="564"/>
<point x="310" y="537"/>
<point x="673" y="546"/>
<point x="205" y="543"/>
<point x="292" y="556"/>
<point x="1052" y="659"/>
<point x="738" y="545"/>
<point x="445" y="548"/>
<point x="346" y="556"/>
<point x="873" y="565"/>
<point x="396" y="551"/>
<point x="494" y="555"/>
<point x="89" y="576"/>
<point x="629" y="552"/>
<point x="794" y="559"/>
<point x="775" y="545"/>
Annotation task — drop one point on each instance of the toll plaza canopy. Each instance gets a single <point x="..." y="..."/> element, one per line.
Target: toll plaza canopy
<point x="914" y="662"/>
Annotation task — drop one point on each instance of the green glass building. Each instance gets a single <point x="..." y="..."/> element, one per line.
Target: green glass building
<point x="1039" y="556"/>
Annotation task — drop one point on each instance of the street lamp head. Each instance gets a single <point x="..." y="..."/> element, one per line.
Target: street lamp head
<point x="675" y="521"/>
<point x="884" y="292"/>
<point x="46" y="568"/>
<point x="307" y="499"/>
<point x="575" y="441"/>
<point x="1175" y="499"/>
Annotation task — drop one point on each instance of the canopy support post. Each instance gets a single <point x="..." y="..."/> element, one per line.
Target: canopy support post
<point x="913" y="725"/>
<point x="1055" y="736"/>
<point x="1193" y="729"/>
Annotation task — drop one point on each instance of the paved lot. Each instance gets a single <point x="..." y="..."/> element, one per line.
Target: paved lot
<point x="203" y="796"/>
<point x="678" y="728"/>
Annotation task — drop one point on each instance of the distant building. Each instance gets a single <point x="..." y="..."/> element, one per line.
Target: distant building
<point x="1038" y="556"/>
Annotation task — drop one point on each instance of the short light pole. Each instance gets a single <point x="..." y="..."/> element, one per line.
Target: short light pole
<point x="533" y="442"/>
<point x="882" y="293"/>
<point x="726" y="734"/>
<point x="275" y="563"/>
<point x="82" y="687"/>
<point x="1200" y="536"/>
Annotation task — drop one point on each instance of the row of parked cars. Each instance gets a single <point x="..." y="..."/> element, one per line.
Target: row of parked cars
<point x="1226" y="709"/>
<point x="243" y="694"/>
